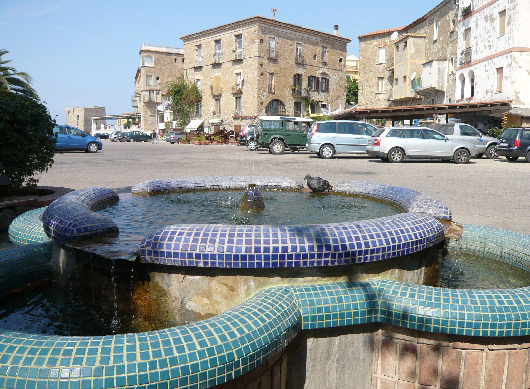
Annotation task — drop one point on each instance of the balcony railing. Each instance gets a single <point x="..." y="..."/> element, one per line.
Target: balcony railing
<point x="297" y="90"/>
<point x="465" y="56"/>
<point x="271" y="54"/>
<point x="299" y="59"/>
<point x="237" y="89"/>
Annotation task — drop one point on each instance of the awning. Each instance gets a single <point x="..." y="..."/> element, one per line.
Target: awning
<point x="193" y="125"/>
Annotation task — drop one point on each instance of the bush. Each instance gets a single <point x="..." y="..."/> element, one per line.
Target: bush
<point x="27" y="144"/>
<point x="495" y="132"/>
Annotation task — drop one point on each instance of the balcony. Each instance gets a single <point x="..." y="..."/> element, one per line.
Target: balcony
<point x="271" y="54"/>
<point x="299" y="60"/>
<point x="432" y="79"/>
<point x="465" y="56"/>
<point x="237" y="89"/>
<point x="296" y="90"/>
<point x="217" y="59"/>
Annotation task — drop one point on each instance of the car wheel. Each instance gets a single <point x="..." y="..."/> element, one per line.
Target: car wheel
<point x="92" y="147"/>
<point x="327" y="151"/>
<point x="491" y="152"/>
<point x="396" y="155"/>
<point x="528" y="157"/>
<point x="252" y="145"/>
<point x="277" y="147"/>
<point x="461" y="156"/>
<point x="512" y="159"/>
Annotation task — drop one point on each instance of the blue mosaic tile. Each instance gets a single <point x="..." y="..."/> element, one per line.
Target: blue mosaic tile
<point x="203" y="183"/>
<point x="255" y="246"/>
<point x="27" y="228"/>
<point x="409" y="200"/>
<point x="71" y="217"/>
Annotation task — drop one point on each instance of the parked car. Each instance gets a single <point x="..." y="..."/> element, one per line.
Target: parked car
<point x="134" y="136"/>
<point x="102" y="135"/>
<point x="515" y="143"/>
<point x="114" y="136"/>
<point x="174" y="137"/>
<point x="331" y="137"/>
<point x="249" y="136"/>
<point x="461" y="132"/>
<point x="278" y="133"/>
<point x="394" y="144"/>
<point x="71" y="138"/>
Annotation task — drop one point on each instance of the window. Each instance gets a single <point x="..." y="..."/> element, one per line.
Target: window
<point x="394" y="133"/>
<point x="297" y="108"/>
<point x="199" y="108"/>
<point x="324" y="84"/>
<point x="297" y="84"/>
<point x="147" y="60"/>
<point x="313" y="83"/>
<point x="149" y="80"/>
<point x="198" y="55"/>
<point x="467" y="130"/>
<point x="239" y="108"/>
<point x="151" y="95"/>
<point x="327" y="127"/>
<point x="239" y="81"/>
<point x="158" y="80"/>
<point x="348" y="128"/>
<point x="404" y="79"/>
<point x="198" y="82"/>
<point x="467" y="38"/>
<point x="430" y="134"/>
<point x="381" y="55"/>
<point x="324" y="56"/>
<point x="411" y="133"/>
<point x="380" y="84"/>
<point x="217" y="106"/>
<point x="239" y="46"/>
<point x="462" y="86"/>
<point x="271" y="82"/>
<point x="299" y="53"/>
<point x="472" y="84"/>
<point x="435" y="32"/>
<point x="499" y="79"/>
<point x="502" y="22"/>
<point x="275" y="108"/>
<point x="405" y="44"/>
<point x="272" y="47"/>
<point x="218" y="53"/>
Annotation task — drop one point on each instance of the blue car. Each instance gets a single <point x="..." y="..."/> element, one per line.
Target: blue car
<point x="71" y="138"/>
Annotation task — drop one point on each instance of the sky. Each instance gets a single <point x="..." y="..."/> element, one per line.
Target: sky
<point x="82" y="53"/>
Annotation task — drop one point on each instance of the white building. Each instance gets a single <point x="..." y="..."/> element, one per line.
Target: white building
<point x="494" y="55"/>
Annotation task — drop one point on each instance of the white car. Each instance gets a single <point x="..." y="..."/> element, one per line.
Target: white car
<point x="394" y="144"/>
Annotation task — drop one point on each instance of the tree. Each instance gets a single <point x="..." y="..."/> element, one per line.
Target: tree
<point x="184" y="97"/>
<point x="352" y="91"/>
<point x="13" y="81"/>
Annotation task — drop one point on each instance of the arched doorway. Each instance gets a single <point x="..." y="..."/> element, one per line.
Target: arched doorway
<point x="275" y="108"/>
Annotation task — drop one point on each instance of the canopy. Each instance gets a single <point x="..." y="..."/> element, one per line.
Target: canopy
<point x="193" y="125"/>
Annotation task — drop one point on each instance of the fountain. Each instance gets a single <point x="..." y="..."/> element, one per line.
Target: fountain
<point x="270" y="299"/>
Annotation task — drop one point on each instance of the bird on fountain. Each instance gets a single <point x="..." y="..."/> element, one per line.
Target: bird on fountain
<point x="317" y="184"/>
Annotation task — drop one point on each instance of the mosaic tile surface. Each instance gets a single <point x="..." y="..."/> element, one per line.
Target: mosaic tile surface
<point x="71" y="217"/>
<point x="198" y="183"/>
<point x="495" y="243"/>
<point x="410" y="200"/>
<point x="255" y="246"/>
<point x="27" y="228"/>
<point x="219" y="349"/>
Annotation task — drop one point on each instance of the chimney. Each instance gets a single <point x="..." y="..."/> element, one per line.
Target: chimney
<point x="336" y="29"/>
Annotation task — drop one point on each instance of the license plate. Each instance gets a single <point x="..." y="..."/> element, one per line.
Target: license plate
<point x="503" y="144"/>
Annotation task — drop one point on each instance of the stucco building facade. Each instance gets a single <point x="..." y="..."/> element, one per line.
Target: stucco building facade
<point x="159" y="66"/>
<point x="261" y="66"/>
<point x="81" y="117"/>
<point x="494" y="55"/>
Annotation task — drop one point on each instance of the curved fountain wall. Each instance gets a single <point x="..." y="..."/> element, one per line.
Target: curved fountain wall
<point x="219" y="349"/>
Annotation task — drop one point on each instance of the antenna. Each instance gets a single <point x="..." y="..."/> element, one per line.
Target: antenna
<point x="274" y="10"/>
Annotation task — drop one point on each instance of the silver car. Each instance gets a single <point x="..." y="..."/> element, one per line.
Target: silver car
<point x="331" y="137"/>
<point x="394" y="144"/>
<point x="461" y="132"/>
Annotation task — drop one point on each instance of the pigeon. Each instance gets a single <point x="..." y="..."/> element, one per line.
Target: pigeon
<point x="317" y="184"/>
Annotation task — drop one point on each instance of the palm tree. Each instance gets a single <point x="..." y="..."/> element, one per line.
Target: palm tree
<point x="13" y="81"/>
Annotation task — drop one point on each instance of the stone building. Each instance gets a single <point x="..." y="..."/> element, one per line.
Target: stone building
<point x="81" y="117"/>
<point x="494" y="55"/>
<point x="411" y="65"/>
<point x="261" y="66"/>
<point x="159" y="65"/>
<point x="352" y="66"/>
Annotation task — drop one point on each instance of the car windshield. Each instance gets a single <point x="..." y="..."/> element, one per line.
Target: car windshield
<point x="510" y="133"/>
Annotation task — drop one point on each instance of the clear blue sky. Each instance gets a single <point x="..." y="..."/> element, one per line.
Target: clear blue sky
<point x="85" y="53"/>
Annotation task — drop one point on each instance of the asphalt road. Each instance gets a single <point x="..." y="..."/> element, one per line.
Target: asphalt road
<point x="487" y="192"/>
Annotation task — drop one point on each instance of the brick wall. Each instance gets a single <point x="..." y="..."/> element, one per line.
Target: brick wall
<point x="404" y="359"/>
